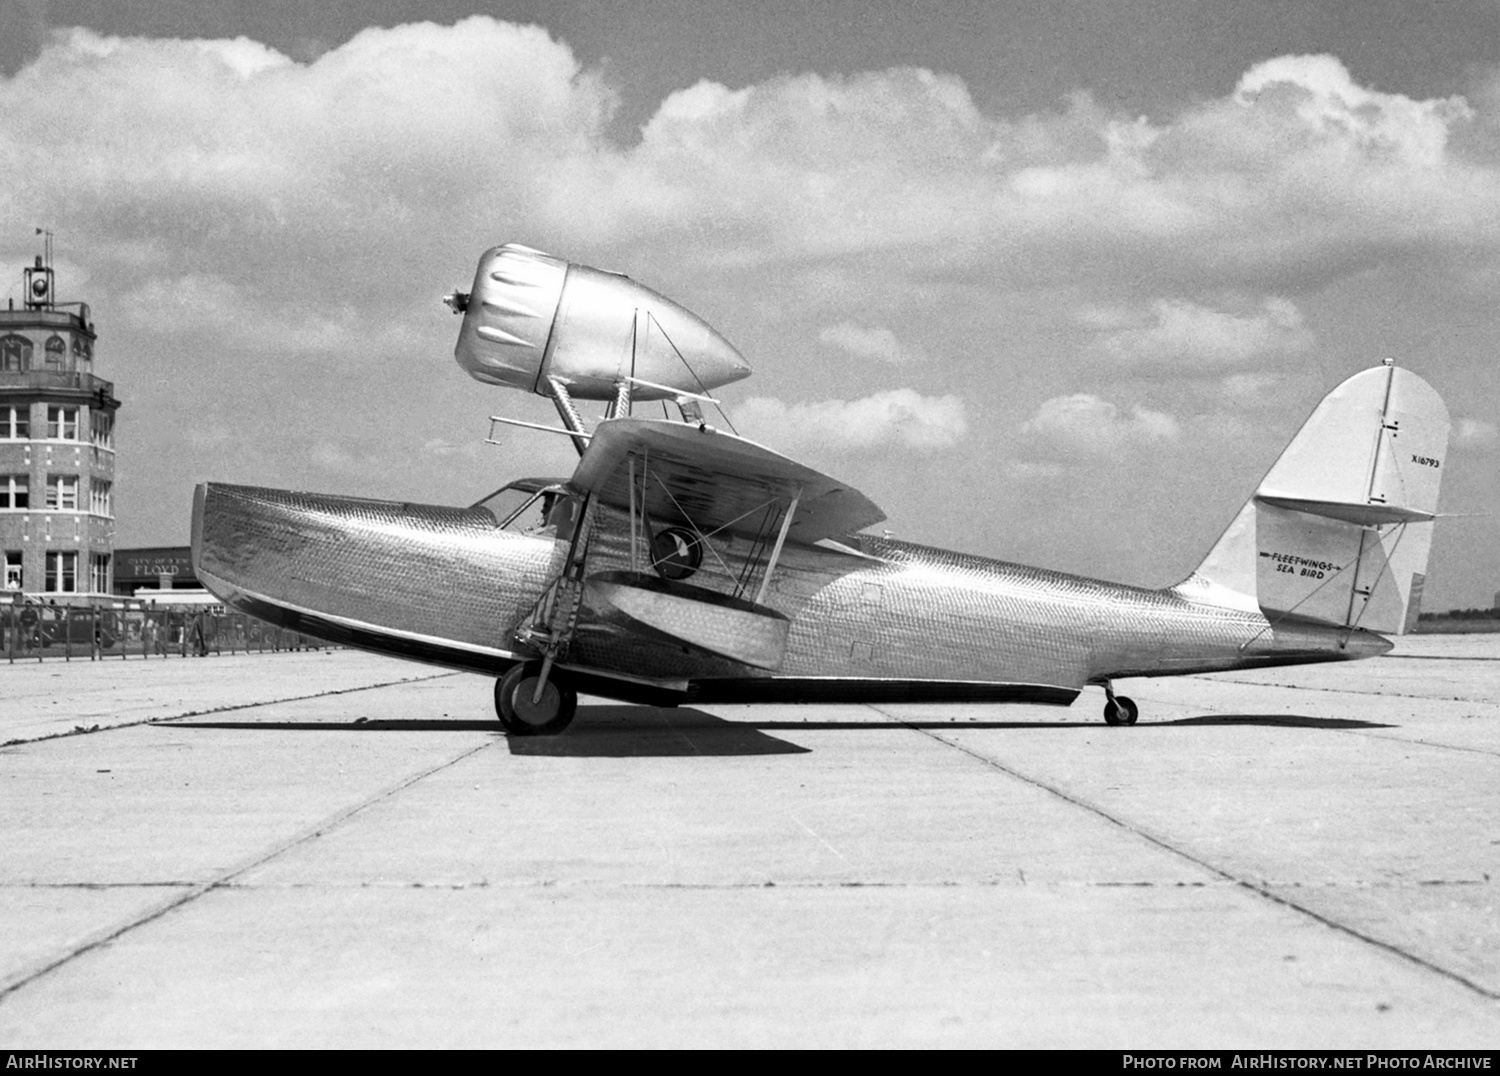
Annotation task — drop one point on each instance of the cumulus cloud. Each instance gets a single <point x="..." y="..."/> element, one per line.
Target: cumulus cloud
<point x="235" y="158"/>
<point x="901" y="417"/>
<point x="328" y="456"/>
<point x="229" y="155"/>
<point x="1300" y="172"/>
<point x="186" y="303"/>
<point x="1033" y="470"/>
<point x="1181" y="333"/>
<point x="1085" y="425"/>
<point x="1248" y="386"/>
<point x="1324" y="97"/>
<point x="239" y="204"/>
<point x="865" y="343"/>
<point x="1475" y="433"/>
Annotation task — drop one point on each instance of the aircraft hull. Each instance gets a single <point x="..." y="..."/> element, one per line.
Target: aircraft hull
<point x="435" y="584"/>
<point x="876" y="620"/>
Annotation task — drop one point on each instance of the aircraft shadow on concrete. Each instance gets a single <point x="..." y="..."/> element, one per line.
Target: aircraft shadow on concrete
<point x="613" y="731"/>
<point x="645" y="731"/>
<point x="956" y="724"/>
<point x="619" y="731"/>
<point x="598" y="732"/>
<point x="653" y="732"/>
<point x="1292" y="721"/>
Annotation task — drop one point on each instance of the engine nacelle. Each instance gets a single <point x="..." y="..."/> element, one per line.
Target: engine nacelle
<point x="532" y="317"/>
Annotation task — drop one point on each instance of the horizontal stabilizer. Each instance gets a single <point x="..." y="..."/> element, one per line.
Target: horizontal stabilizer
<point x="1365" y="515"/>
<point x="1340" y="528"/>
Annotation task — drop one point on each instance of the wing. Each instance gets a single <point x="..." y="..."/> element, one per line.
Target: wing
<point x="714" y="481"/>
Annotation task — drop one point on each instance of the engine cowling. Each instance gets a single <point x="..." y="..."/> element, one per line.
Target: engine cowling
<point x="531" y="317"/>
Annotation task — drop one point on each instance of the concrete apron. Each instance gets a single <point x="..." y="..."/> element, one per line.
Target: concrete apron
<point x="326" y="854"/>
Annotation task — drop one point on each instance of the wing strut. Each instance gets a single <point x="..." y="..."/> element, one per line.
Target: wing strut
<point x="635" y="533"/>
<point x="571" y="419"/>
<point x="716" y="511"/>
<point x="716" y="616"/>
<point x="555" y="616"/>
<point x="786" y="525"/>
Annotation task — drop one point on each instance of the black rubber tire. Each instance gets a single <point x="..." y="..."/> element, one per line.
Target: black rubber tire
<point x="1122" y="711"/>
<point x="520" y="716"/>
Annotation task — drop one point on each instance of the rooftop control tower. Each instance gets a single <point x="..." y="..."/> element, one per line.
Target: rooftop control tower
<point x="57" y="449"/>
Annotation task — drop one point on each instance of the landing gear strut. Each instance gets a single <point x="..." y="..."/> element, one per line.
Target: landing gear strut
<point x="522" y="713"/>
<point x="1118" y="710"/>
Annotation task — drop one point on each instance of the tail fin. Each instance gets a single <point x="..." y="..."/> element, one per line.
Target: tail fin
<point x="1340" y="528"/>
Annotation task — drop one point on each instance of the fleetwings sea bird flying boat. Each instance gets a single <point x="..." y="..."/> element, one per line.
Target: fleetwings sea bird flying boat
<point x="681" y="563"/>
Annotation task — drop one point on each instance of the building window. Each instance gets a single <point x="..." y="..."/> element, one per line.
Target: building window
<point x="13" y="574"/>
<point x="15" y="423"/>
<point x="99" y="498"/>
<point x="104" y="429"/>
<point x="14" y="491"/>
<point x="62" y="423"/>
<point x="62" y="572"/>
<point x="99" y="578"/>
<point x="62" y="492"/>
<point x="15" y="353"/>
<point x="57" y="353"/>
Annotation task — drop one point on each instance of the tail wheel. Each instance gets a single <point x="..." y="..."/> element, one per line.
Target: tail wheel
<point x="522" y="713"/>
<point x="1120" y="711"/>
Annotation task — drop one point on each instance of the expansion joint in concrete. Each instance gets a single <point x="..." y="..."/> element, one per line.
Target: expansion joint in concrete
<point x="225" y="878"/>
<point x="1259" y="888"/>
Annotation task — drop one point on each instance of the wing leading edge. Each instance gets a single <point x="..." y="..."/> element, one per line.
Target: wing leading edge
<point x="714" y="481"/>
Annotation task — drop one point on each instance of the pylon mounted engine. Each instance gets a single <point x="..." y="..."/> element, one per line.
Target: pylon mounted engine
<point x="532" y="320"/>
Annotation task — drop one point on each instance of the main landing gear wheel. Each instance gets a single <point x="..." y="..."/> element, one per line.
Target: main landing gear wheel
<point x="1118" y="710"/>
<point x="522" y="716"/>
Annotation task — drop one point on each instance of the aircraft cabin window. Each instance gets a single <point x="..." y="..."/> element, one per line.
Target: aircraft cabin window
<point x="546" y="514"/>
<point x="505" y="503"/>
<point x="531" y="518"/>
<point x="562" y="516"/>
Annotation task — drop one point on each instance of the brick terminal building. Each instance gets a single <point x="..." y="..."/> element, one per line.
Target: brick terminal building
<point x="57" y="450"/>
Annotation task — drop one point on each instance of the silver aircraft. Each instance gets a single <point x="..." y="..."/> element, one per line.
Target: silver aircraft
<point x="680" y="563"/>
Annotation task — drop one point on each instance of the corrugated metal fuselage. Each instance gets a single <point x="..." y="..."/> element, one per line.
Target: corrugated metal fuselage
<point x="882" y="620"/>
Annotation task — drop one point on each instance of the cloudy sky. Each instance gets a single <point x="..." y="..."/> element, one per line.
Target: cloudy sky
<point x="1049" y="281"/>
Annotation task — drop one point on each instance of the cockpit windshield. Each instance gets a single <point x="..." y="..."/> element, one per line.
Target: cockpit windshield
<point x="538" y="506"/>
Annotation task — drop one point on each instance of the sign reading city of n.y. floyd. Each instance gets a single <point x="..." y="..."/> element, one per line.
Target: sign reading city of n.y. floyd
<point x="149" y="564"/>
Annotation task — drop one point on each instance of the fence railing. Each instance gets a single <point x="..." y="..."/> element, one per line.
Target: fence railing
<point x="83" y="633"/>
<point x="43" y="378"/>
